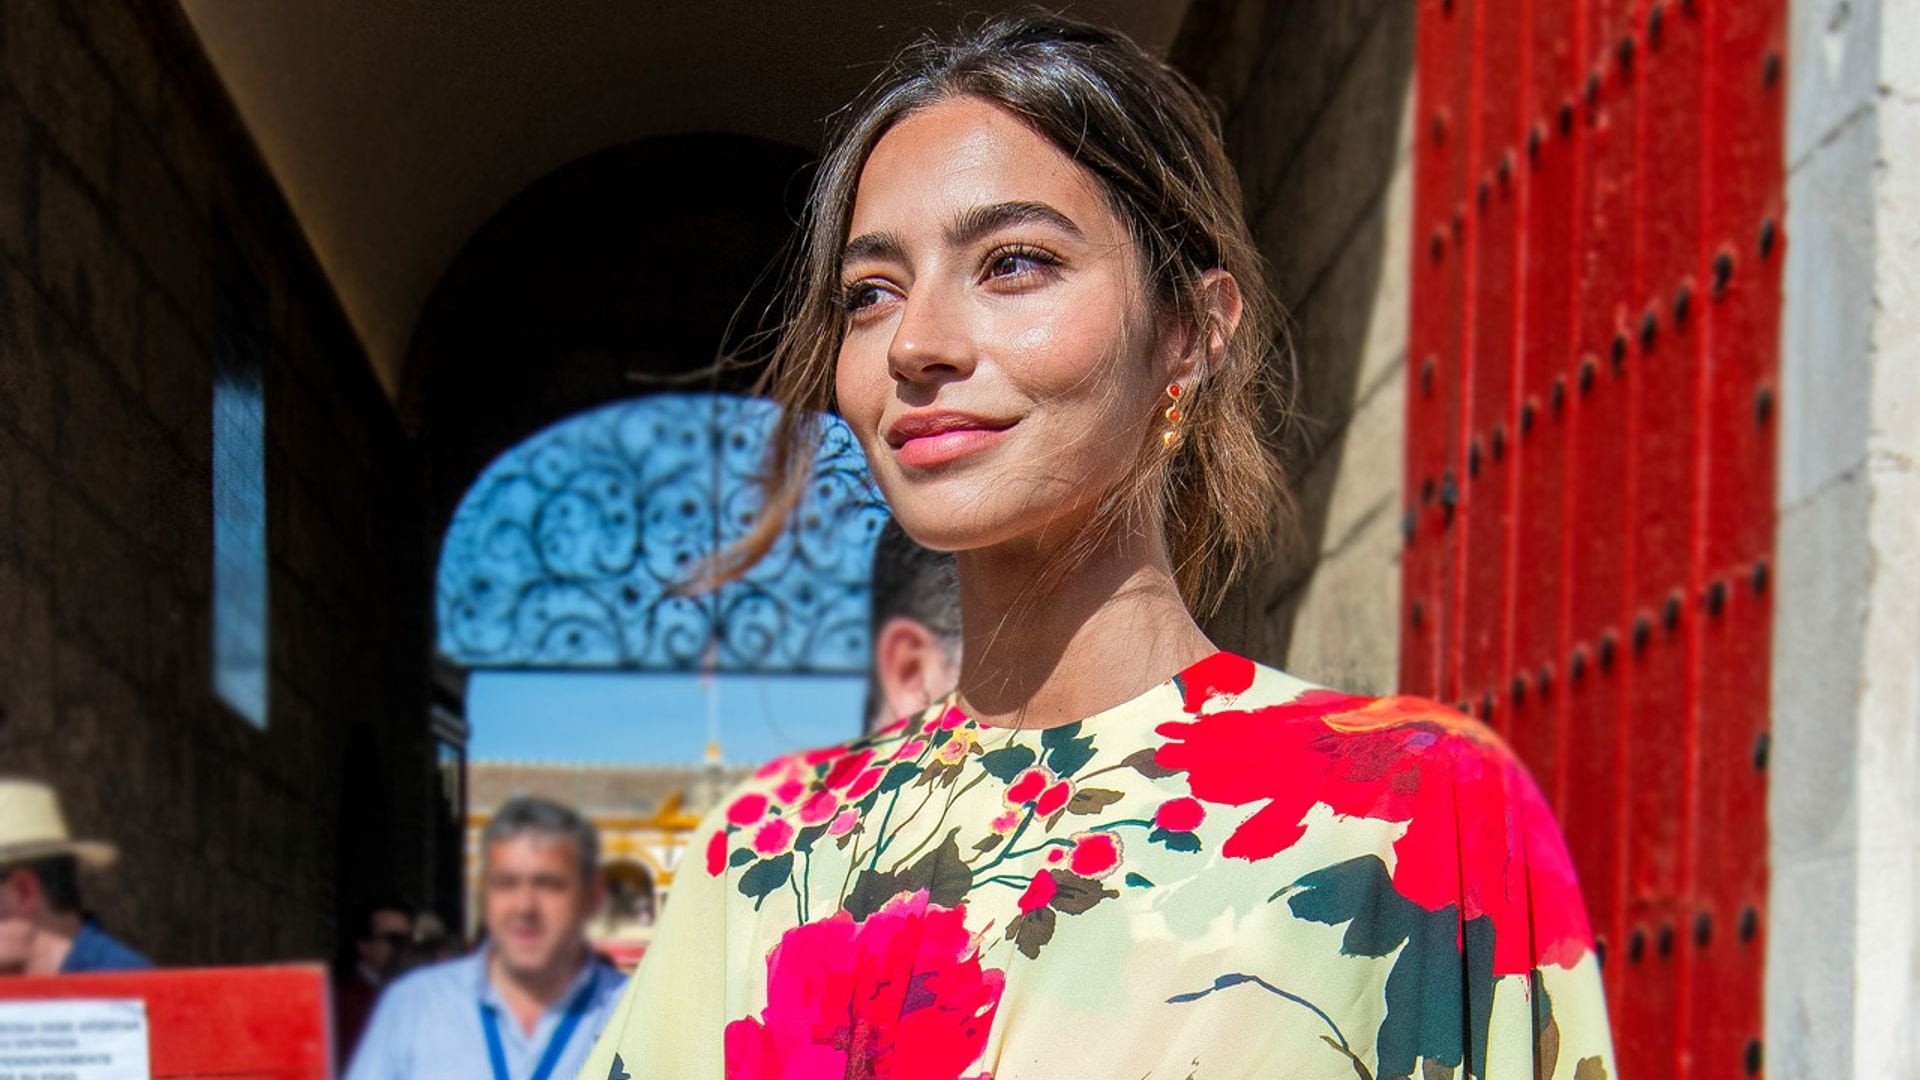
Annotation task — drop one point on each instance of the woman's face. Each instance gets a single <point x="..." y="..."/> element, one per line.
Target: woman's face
<point x="1000" y="365"/>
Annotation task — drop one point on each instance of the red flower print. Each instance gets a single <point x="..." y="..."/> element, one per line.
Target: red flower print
<point x="1028" y="785"/>
<point x="844" y="824"/>
<point x="1006" y="823"/>
<point x="1220" y="675"/>
<point x="1180" y="815"/>
<point x="952" y="719"/>
<point x="909" y="750"/>
<point x="1095" y="854"/>
<point x="747" y="808"/>
<point x="1056" y="854"/>
<point x="790" y="791"/>
<point x="901" y="996"/>
<point x="819" y="808"/>
<point x="773" y="838"/>
<point x="1039" y="892"/>
<point x="848" y="767"/>
<point x="716" y="853"/>
<point x="1053" y="799"/>
<point x="1478" y="835"/>
<point x="866" y="782"/>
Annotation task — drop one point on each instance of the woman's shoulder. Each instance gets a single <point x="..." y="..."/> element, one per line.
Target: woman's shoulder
<point x="1239" y="714"/>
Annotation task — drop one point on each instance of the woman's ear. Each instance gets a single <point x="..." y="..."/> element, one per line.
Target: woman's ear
<point x="1217" y="316"/>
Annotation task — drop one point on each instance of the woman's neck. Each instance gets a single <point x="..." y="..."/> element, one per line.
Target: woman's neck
<point x="1108" y="631"/>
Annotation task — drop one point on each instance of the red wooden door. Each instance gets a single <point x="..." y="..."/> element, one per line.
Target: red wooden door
<point x="1590" y="463"/>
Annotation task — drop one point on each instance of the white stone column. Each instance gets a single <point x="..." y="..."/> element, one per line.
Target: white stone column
<point x="1843" y="978"/>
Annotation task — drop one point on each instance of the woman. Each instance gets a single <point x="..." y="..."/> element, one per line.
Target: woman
<point x="1027" y="287"/>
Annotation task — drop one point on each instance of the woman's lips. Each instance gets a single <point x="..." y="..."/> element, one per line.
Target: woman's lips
<point x="951" y="445"/>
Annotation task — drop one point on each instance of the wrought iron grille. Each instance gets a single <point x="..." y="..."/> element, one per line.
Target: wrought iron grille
<point x="566" y="551"/>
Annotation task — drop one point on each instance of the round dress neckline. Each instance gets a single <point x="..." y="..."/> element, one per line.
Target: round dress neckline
<point x="952" y="700"/>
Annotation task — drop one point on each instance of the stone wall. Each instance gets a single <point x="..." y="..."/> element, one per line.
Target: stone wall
<point x="1843" y="964"/>
<point x="1315" y="95"/>
<point x="131" y="206"/>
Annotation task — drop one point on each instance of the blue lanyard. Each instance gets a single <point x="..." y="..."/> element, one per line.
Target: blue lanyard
<point x="556" y="1044"/>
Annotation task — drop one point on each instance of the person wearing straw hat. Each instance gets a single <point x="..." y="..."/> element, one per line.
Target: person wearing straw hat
<point x="43" y="930"/>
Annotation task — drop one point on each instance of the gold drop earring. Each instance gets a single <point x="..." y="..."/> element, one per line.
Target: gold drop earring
<point x="1170" y="438"/>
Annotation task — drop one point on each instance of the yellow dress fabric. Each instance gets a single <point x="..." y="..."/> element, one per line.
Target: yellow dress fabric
<point x="1235" y="874"/>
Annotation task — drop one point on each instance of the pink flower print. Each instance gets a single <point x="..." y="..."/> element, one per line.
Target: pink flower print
<point x="773" y="838"/>
<point x="866" y="782"/>
<point x="1056" y="854"/>
<point x="954" y="750"/>
<point x="897" y="725"/>
<point x="954" y="718"/>
<point x="1095" y="854"/>
<point x="1006" y="823"/>
<point x="747" y="809"/>
<point x="844" y="824"/>
<point x="819" y="808"/>
<point x="790" y="791"/>
<point x="717" y="853"/>
<point x="910" y="749"/>
<point x="901" y="996"/>
<point x="1039" y="892"/>
<point x="847" y="768"/>
<point x="1180" y="815"/>
<point x="1028" y="785"/>
<point x="1054" y="799"/>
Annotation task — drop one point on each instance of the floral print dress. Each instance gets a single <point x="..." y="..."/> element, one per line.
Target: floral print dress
<point x="1234" y="875"/>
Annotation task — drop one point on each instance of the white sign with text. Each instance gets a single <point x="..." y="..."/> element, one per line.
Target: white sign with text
<point x="74" y="1040"/>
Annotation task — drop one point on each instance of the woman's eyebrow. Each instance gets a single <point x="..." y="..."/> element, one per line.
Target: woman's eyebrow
<point x="976" y="222"/>
<point x="873" y="245"/>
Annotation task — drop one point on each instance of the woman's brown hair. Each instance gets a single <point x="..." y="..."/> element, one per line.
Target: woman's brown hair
<point x="1153" y="141"/>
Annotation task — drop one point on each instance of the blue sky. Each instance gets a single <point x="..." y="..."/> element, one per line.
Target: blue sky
<point x="615" y="717"/>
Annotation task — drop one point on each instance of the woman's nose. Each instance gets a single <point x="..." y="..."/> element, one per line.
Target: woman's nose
<point x="931" y="340"/>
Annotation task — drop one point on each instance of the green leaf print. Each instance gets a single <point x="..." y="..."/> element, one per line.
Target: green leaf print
<point x="1092" y="800"/>
<point x="941" y="872"/>
<point x="765" y="877"/>
<point x="898" y="776"/>
<point x="1066" y="752"/>
<point x="1141" y="761"/>
<point x="1176" y="841"/>
<point x="1074" y="895"/>
<point x="1439" y="999"/>
<point x="1031" y="930"/>
<point x="1007" y="762"/>
<point x="741" y="857"/>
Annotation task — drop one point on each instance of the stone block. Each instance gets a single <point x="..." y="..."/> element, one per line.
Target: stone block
<point x="90" y="275"/>
<point x="1810" y="978"/>
<point x="1353" y="327"/>
<point x="99" y="586"/>
<point x="178" y="381"/>
<point x="26" y="660"/>
<point x="108" y="443"/>
<point x="1342" y="629"/>
<point x="1822" y="579"/>
<point x="1309" y="50"/>
<point x="1828" y="320"/>
<point x="1345" y="162"/>
<point x="1833" y="65"/>
<point x="26" y="502"/>
<point x="62" y="85"/>
<point x="168" y="235"/>
<point x="17" y="175"/>
<point x="30" y="343"/>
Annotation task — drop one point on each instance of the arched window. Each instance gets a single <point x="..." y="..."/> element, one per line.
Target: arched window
<point x="566" y="552"/>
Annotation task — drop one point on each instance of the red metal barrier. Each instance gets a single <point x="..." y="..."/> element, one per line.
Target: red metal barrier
<point x="250" y="1023"/>
<point x="1590" y="463"/>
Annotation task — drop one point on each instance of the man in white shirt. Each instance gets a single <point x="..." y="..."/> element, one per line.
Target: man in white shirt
<point x="526" y="1005"/>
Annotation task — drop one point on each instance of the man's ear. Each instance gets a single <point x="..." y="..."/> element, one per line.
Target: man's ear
<point x="21" y="891"/>
<point x="1217" y="316"/>
<point x="901" y="652"/>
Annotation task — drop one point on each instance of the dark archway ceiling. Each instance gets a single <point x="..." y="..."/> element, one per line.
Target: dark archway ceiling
<point x="398" y="129"/>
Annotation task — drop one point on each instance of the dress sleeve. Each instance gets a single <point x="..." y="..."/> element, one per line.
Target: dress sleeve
<point x="1549" y="1010"/>
<point x="669" y="1022"/>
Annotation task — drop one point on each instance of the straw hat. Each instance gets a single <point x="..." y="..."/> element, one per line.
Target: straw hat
<point x="31" y="827"/>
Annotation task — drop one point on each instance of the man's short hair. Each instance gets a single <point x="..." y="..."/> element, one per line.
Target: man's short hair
<point x="363" y="915"/>
<point x="914" y="582"/>
<point x="59" y="877"/>
<point x="529" y="814"/>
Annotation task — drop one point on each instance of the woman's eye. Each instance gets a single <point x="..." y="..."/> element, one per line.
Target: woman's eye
<point x="860" y="296"/>
<point x="1019" y="262"/>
